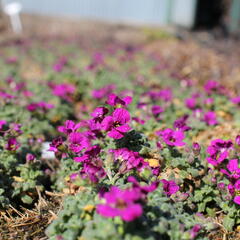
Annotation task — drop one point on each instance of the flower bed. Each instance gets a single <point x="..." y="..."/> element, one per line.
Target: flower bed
<point x="136" y="151"/>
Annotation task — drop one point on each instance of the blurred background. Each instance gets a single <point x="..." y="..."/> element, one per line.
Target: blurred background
<point x="220" y="16"/>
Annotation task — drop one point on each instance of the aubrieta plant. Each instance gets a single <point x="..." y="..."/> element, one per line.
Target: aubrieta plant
<point x="136" y="152"/>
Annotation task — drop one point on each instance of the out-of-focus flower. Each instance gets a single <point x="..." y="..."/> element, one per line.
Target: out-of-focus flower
<point x="210" y="118"/>
<point x="171" y="137"/>
<point x="169" y="187"/>
<point x="2" y="123"/>
<point x="64" y="91"/>
<point x="103" y="92"/>
<point x="114" y="100"/>
<point x="30" y="157"/>
<point x="196" y="148"/>
<point x="12" y="144"/>
<point x="181" y="124"/>
<point x="121" y="203"/>
<point x="129" y="158"/>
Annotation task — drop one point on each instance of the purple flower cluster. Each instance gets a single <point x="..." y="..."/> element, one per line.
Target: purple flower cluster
<point x="219" y="152"/>
<point x="103" y="123"/>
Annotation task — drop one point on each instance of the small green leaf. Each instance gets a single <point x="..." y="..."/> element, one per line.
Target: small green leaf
<point x="228" y="223"/>
<point x="27" y="199"/>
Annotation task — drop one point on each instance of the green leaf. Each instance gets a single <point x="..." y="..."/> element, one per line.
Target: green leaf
<point x="228" y="223"/>
<point x="26" y="199"/>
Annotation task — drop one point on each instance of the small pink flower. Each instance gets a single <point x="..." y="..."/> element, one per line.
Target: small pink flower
<point x="191" y="103"/>
<point x="121" y="203"/>
<point x="103" y="92"/>
<point x="78" y="141"/>
<point x="117" y="124"/>
<point x="171" y="137"/>
<point x="114" y="100"/>
<point x="233" y="169"/>
<point x="2" y="123"/>
<point x="210" y="118"/>
<point x="157" y="110"/>
<point x="218" y="151"/>
<point x="237" y="200"/>
<point x="30" y="157"/>
<point x="69" y="127"/>
<point x="12" y="144"/>
<point x="64" y="91"/>
<point x="169" y="187"/>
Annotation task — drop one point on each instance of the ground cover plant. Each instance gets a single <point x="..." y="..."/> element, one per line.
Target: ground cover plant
<point x="105" y="141"/>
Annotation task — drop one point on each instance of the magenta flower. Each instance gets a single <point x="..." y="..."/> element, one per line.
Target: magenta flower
<point x="2" y="123"/>
<point x="237" y="200"/>
<point x="114" y="100"/>
<point x="171" y="137"/>
<point x="58" y="66"/>
<point x="191" y="103"/>
<point x="218" y="151"/>
<point x="39" y="106"/>
<point x="210" y="118"/>
<point x="69" y="127"/>
<point x="233" y="169"/>
<point x="236" y="100"/>
<point x="89" y="154"/>
<point x="56" y="144"/>
<point x="16" y="128"/>
<point x="98" y="115"/>
<point x="156" y="110"/>
<point x="12" y="144"/>
<point x="121" y="203"/>
<point x="117" y="124"/>
<point x="27" y="93"/>
<point x="169" y="187"/>
<point x="237" y="140"/>
<point x="138" y="120"/>
<point x="181" y="124"/>
<point x="129" y="158"/>
<point x="30" y="157"/>
<point x="212" y="86"/>
<point x="98" y="59"/>
<point x="208" y="101"/>
<point x="64" y="90"/>
<point x="234" y="191"/>
<point x="11" y="60"/>
<point x="196" y="148"/>
<point x="195" y="230"/>
<point x="92" y="172"/>
<point x="143" y="189"/>
<point x="165" y="95"/>
<point x="78" y="141"/>
<point x="103" y="92"/>
<point x="5" y="95"/>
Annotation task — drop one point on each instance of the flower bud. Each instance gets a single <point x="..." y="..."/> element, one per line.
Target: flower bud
<point x="221" y="186"/>
<point x="196" y="148"/>
<point x="30" y="157"/>
<point x="237" y="140"/>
